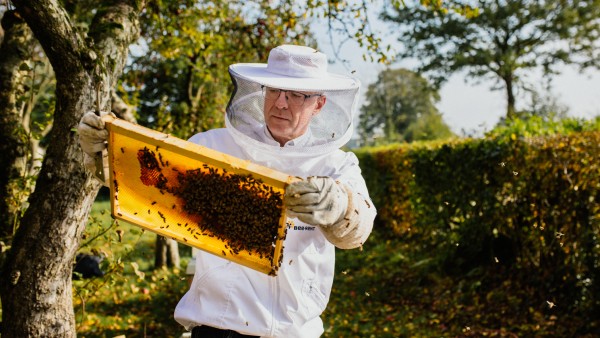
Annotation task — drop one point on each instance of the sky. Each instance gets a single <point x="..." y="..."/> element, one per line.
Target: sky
<point x="468" y="107"/>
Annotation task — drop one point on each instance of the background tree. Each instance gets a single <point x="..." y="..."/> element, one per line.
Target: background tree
<point x="400" y="107"/>
<point x="499" y="40"/>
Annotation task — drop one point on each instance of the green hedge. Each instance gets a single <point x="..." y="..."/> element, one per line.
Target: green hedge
<point x="529" y="208"/>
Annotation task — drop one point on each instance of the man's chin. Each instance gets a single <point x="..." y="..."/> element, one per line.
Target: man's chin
<point x="279" y="127"/>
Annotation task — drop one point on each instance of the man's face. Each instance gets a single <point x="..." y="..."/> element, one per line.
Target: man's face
<point x="288" y="113"/>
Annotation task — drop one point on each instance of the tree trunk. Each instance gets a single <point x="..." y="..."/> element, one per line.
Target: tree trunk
<point x="16" y="48"/>
<point x="166" y="253"/>
<point x="35" y="284"/>
<point x="510" y="98"/>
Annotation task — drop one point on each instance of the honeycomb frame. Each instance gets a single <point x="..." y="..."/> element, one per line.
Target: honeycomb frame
<point x="151" y="205"/>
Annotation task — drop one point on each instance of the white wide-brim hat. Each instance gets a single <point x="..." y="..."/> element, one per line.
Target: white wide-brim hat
<point x="295" y="68"/>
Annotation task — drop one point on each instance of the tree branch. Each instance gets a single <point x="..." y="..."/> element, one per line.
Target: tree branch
<point x="52" y="27"/>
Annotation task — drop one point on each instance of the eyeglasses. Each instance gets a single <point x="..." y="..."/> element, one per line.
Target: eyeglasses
<point x="294" y="98"/>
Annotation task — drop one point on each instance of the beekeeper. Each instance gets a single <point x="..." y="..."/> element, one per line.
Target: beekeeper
<point x="291" y="115"/>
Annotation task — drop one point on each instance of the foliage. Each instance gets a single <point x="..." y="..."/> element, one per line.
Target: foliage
<point x="130" y="299"/>
<point x="401" y="107"/>
<point x="500" y="40"/>
<point x="180" y="81"/>
<point x="389" y="191"/>
<point x="520" y="207"/>
<point x="536" y="125"/>
<point x="428" y="128"/>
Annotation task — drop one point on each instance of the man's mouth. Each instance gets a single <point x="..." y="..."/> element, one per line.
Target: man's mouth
<point x="279" y="117"/>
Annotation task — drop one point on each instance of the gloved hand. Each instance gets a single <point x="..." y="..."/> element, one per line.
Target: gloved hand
<point x="317" y="201"/>
<point x="92" y="139"/>
<point x="92" y="134"/>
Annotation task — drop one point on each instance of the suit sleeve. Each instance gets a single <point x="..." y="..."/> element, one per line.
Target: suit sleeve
<point x="356" y="225"/>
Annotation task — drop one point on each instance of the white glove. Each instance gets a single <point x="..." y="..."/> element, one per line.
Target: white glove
<point x="92" y="139"/>
<point x="317" y="201"/>
<point x="92" y="134"/>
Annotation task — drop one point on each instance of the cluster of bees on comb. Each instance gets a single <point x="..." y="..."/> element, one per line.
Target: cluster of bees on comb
<point x="240" y="210"/>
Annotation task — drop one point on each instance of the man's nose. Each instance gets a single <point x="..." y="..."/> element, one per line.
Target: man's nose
<point x="281" y="101"/>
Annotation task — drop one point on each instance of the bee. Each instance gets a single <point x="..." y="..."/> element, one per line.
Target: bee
<point x="120" y="234"/>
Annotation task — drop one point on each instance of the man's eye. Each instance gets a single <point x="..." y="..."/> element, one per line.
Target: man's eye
<point x="296" y="94"/>
<point x="272" y="91"/>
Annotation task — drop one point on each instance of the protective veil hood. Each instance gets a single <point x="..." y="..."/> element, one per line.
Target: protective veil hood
<point x="291" y="68"/>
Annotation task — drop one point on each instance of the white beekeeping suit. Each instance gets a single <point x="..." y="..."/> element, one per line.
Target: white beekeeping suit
<point x="229" y="296"/>
<point x="293" y="116"/>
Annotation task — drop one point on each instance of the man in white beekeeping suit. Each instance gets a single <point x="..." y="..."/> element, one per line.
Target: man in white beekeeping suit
<point x="291" y="115"/>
